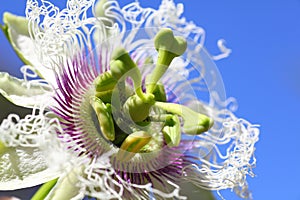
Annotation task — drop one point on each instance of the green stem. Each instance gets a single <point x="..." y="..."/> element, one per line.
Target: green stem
<point x="164" y="60"/>
<point x="44" y="190"/>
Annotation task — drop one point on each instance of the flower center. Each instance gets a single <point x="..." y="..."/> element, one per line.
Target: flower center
<point x="133" y="114"/>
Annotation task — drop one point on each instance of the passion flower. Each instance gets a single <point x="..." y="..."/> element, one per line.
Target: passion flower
<point x="129" y="105"/>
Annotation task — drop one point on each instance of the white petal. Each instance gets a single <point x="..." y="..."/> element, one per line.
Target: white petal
<point x="23" y="93"/>
<point x="26" y="148"/>
<point x="16" y="30"/>
<point x="22" y="167"/>
<point x="57" y="34"/>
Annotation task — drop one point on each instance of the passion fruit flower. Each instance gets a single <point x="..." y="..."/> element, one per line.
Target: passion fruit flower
<point x="127" y="104"/>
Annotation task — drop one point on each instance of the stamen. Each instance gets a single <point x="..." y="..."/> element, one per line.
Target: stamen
<point x="137" y="106"/>
<point x="133" y="144"/>
<point x="194" y="123"/>
<point x="105" y="96"/>
<point x="171" y="131"/>
<point x="105" y="119"/>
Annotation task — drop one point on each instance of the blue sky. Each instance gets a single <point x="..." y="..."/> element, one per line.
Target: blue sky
<point x="262" y="73"/>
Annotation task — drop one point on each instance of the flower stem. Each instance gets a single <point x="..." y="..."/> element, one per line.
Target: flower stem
<point x="44" y="190"/>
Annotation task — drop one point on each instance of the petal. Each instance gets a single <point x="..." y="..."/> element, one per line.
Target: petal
<point x="21" y="92"/>
<point x="22" y="167"/>
<point x="30" y="152"/>
<point x="16" y="30"/>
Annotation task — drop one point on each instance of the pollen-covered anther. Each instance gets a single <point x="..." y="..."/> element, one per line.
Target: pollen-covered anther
<point x="168" y="47"/>
<point x="133" y="144"/>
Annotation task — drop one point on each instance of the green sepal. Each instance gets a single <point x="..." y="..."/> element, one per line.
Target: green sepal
<point x="66" y="186"/>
